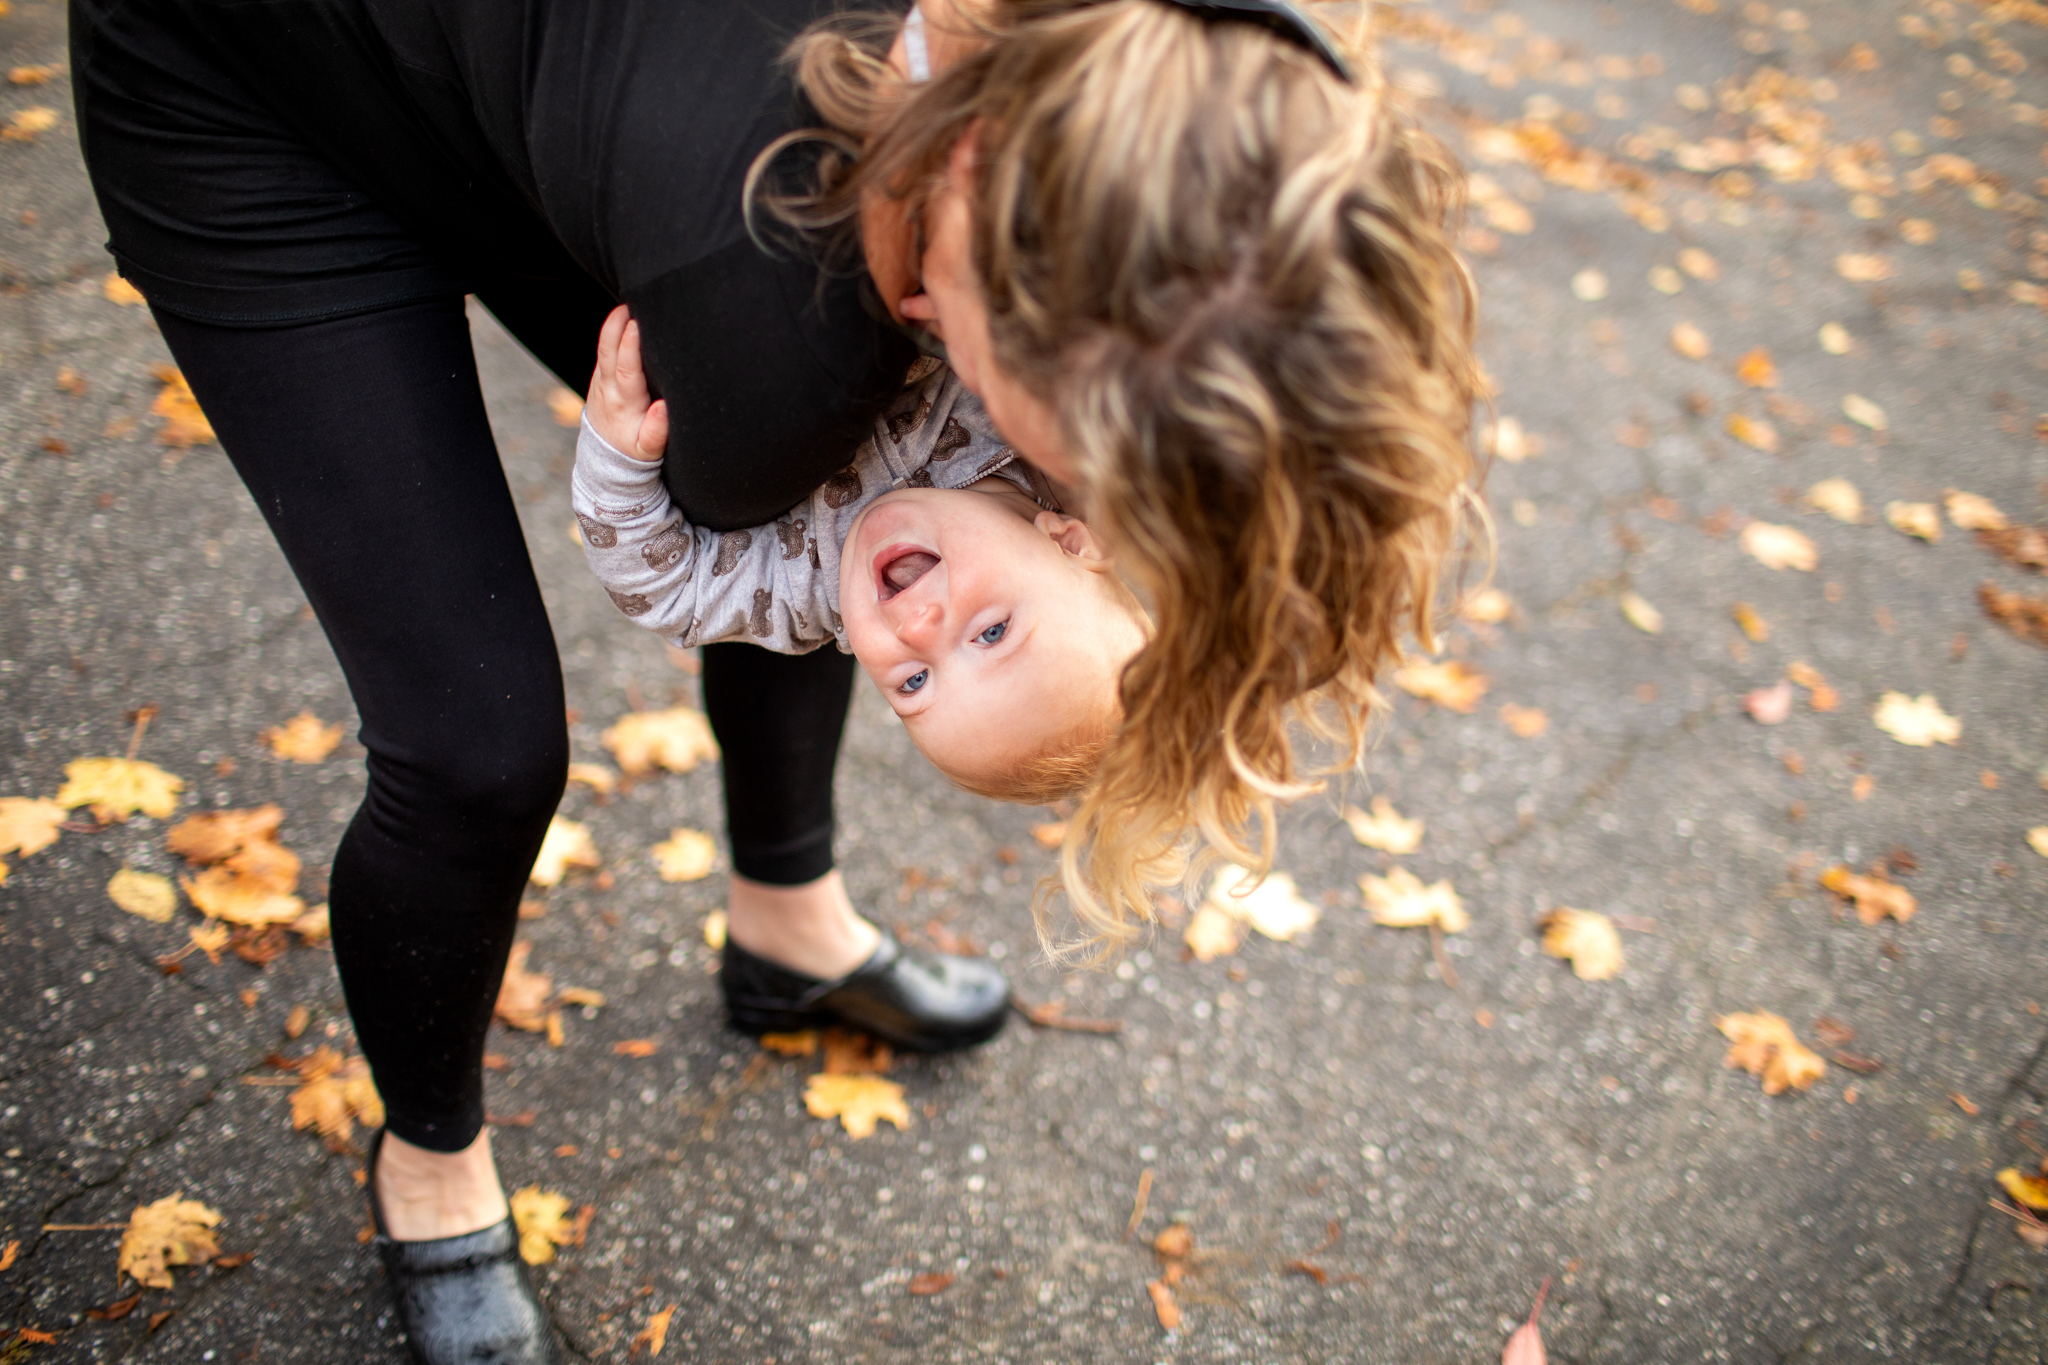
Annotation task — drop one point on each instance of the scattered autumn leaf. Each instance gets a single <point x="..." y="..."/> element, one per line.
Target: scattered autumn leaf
<point x="2028" y="1191"/>
<point x="2037" y="839"/>
<point x="849" y="1052"/>
<point x="542" y="1218"/>
<point x="677" y="740"/>
<point x="1770" y="705"/>
<point x="595" y="776"/>
<point x="1399" y="900"/>
<point x="931" y="1282"/>
<point x="714" y="930"/>
<point x="567" y="844"/>
<point x="1914" y="518"/>
<point x="117" y="788"/>
<point x="1873" y="897"/>
<point x="1863" y="267"/>
<point x="2026" y="546"/>
<point x="654" y="1335"/>
<point x="1838" y="498"/>
<point x="1756" y="370"/>
<point x="335" y="1093"/>
<point x="1487" y="607"/>
<point x="117" y="290"/>
<point x="858" y="1102"/>
<point x="687" y="855"/>
<point x="1589" y="285"/>
<point x="1640" y="614"/>
<point x="1918" y="721"/>
<point x="1764" y="1045"/>
<point x="1973" y="512"/>
<point x="252" y="885"/>
<point x="1163" y="1305"/>
<point x="24" y="124"/>
<point x="1690" y="342"/>
<point x="802" y="1044"/>
<point x="636" y="1047"/>
<point x="1211" y="933"/>
<point x="210" y="938"/>
<point x="1835" y="339"/>
<point x="145" y="894"/>
<point x="303" y="739"/>
<point x="1778" y="547"/>
<point x="210" y="836"/>
<point x="1509" y="441"/>
<point x="1385" y="829"/>
<point x="1451" y="684"/>
<point x="184" y="423"/>
<point x="1751" y="624"/>
<point x="2026" y="617"/>
<point x="1699" y="264"/>
<point x="173" y="1231"/>
<point x="315" y="926"/>
<point x="1585" y="938"/>
<point x="566" y="405"/>
<point x="1050" y="834"/>
<point x="1272" y="906"/>
<point x="1863" y="412"/>
<point x="28" y="824"/>
<point x="30" y="75"/>
<point x="523" y="995"/>
<point x="1753" y="432"/>
<point x="1525" y="722"/>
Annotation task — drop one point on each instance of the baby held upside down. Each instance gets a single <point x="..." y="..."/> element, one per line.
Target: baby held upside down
<point x="993" y="623"/>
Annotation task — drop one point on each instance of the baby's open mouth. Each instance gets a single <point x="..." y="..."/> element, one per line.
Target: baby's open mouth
<point x="899" y="566"/>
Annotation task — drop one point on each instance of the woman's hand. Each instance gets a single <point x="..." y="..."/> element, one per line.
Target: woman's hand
<point x="618" y="406"/>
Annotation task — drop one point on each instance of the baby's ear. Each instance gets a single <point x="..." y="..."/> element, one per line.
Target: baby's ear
<point x="1071" y="535"/>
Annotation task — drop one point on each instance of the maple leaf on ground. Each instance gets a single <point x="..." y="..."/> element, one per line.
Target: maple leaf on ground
<point x="173" y="1231"/>
<point x="303" y="739"/>
<point x="1385" y="829"/>
<point x="1399" y="900"/>
<point x="1971" y="512"/>
<point x="1874" y="897"/>
<point x="336" y="1092"/>
<point x="185" y="425"/>
<point x="1212" y="933"/>
<point x="858" y="1102"/>
<point x="117" y="788"/>
<point x="1838" y="498"/>
<point x="849" y="1052"/>
<point x="2026" y="617"/>
<point x="654" y="1335"/>
<point x="1585" y="938"/>
<point x="1272" y="906"/>
<point x="1764" y="1045"/>
<point x="567" y="844"/>
<point x="1918" y="721"/>
<point x="687" y="855"/>
<point x="2026" y="546"/>
<point x="542" y="1218"/>
<point x="1778" y="547"/>
<point x="1451" y="684"/>
<point x="676" y="740"/>
<point x="2028" y="1191"/>
<point x="523" y="995"/>
<point x="145" y="894"/>
<point x="213" y="835"/>
<point x="595" y="776"/>
<point x="1914" y="519"/>
<point x="28" y="824"/>
<point x="251" y="886"/>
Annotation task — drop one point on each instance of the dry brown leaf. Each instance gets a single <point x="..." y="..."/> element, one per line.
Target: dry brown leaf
<point x="1863" y="267"/>
<point x="677" y="740"/>
<point x="1272" y="906"/>
<point x="1756" y="369"/>
<point x="2026" y="546"/>
<point x="1640" y="614"/>
<point x="1050" y="834"/>
<point x="1972" y="512"/>
<point x="567" y="844"/>
<point x="171" y="1232"/>
<point x="1585" y="938"/>
<point x="849" y="1052"/>
<point x="1690" y="342"/>
<point x="145" y="894"/>
<point x="542" y="1218"/>
<point x="1399" y="900"/>
<point x="636" y="1047"/>
<point x="184" y="424"/>
<point x="1918" y="721"/>
<point x="303" y="739"/>
<point x="523" y="995"/>
<point x="210" y="938"/>
<point x="117" y="788"/>
<point x="28" y="824"/>
<point x="2028" y="1191"/>
<point x="1385" y="829"/>
<point x="1451" y="684"/>
<point x="858" y="1102"/>
<point x="1526" y="722"/>
<point x="1863" y="412"/>
<point x="1764" y="1045"/>
<point x="24" y="124"/>
<point x="1211" y="933"/>
<point x="1838" y="498"/>
<point x="1751" y="624"/>
<point x="1487" y="607"/>
<point x="803" y="1044"/>
<point x="2026" y="617"/>
<point x="253" y="885"/>
<point x="1778" y="547"/>
<point x="687" y="855"/>
<point x="1914" y="518"/>
<point x="117" y="290"/>
<point x="1873" y="897"/>
<point x="1769" y="705"/>
<point x="335" y="1093"/>
<point x="595" y="776"/>
<point x="654" y="1335"/>
<point x="1753" y="432"/>
<point x="30" y="75"/>
<point x="212" y="835"/>
<point x="315" y="926"/>
<point x="566" y="405"/>
<point x="930" y="1283"/>
<point x="1163" y="1305"/>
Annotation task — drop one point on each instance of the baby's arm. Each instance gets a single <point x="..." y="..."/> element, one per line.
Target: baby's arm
<point x="688" y="584"/>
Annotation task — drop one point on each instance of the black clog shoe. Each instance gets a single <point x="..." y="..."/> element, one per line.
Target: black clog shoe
<point x="925" y="1005"/>
<point x="463" y="1300"/>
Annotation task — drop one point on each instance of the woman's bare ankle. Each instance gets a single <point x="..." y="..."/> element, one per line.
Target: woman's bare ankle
<point x="424" y="1195"/>
<point x="812" y="929"/>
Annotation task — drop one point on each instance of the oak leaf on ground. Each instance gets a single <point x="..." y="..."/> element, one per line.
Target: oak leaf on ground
<point x="1399" y="900"/>
<point x="303" y="739"/>
<point x="1451" y="684"/>
<point x="1874" y="897"/>
<point x="1386" y="829"/>
<point x="1585" y="938"/>
<point x="143" y="893"/>
<point x="567" y="844"/>
<point x="858" y="1102"/>
<point x="1918" y="721"/>
<point x="1764" y="1045"/>
<point x="117" y="788"/>
<point x="173" y="1231"/>
<point x="677" y="740"/>
<point x="687" y="855"/>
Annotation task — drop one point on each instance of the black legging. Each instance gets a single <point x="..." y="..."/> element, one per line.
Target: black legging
<point x="365" y="445"/>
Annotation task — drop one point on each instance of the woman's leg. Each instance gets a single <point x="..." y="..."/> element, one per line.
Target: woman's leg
<point x="365" y="444"/>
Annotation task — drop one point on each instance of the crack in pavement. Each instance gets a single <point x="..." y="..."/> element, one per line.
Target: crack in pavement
<point x="1968" y="1259"/>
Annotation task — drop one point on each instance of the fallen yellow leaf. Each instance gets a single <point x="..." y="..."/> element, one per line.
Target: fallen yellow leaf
<point x="1863" y="267"/>
<point x="1690" y="342"/>
<point x="210" y="938"/>
<point x="1914" y="519"/>
<point x="1862" y="411"/>
<point x="335" y="1093"/>
<point x="567" y="844"/>
<point x="118" y="290"/>
<point x="253" y="885"/>
<point x="677" y="739"/>
<point x="542" y="1218"/>
<point x="1753" y="432"/>
<point x="1836" y="497"/>
<point x="1971" y="512"/>
<point x="143" y="893"/>
<point x="173" y="1231"/>
<point x="523" y="995"/>
<point x="1385" y="829"/>
<point x="802" y="1044"/>
<point x="1699" y="264"/>
<point x="1526" y="722"/>
<point x="314" y="926"/>
<point x="566" y="405"/>
<point x="1753" y="625"/>
<point x="30" y="75"/>
<point x="1764" y="1045"/>
<point x="303" y="739"/>
<point x="28" y="824"/>
<point x="1587" y="939"/>
<point x="1487" y="607"/>
<point x="858" y="1102"/>
<point x="1756" y="370"/>
<point x="184" y="423"/>
<point x="1272" y="906"/>
<point x="1779" y="547"/>
<point x="1874" y="897"/>
<point x="2037" y="839"/>
<point x="1506" y="439"/>
<point x="1050" y="834"/>
<point x="714" y="930"/>
<point x="1163" y="1305"/>
<point x="1918" y="721"/>
<point x="1399" y="900"/>
<point x="213" y="835"/>
<point x="2028" y="1191"/>
<point x="654" y="1335"/>
<point x="1640" y="614"/>
<point x="687" y="855"/>
<point x="24" y="124"/>
<point x="595" y="776"/>
<point x="117" y="788"/>
<point x="1451" y="684"/>
<point x="1211" y="933"/>
<point x="1835" y="339"/>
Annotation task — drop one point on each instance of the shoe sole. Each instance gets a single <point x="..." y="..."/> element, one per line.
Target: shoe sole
<point x="755" y="1022"/>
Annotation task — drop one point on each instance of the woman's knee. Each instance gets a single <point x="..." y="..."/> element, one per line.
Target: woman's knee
<point x="510" y="776"/>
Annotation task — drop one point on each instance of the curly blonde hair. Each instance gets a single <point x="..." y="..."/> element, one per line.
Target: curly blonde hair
<point x="1233" y="277"/>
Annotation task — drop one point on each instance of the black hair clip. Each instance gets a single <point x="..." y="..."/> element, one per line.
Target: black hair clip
<point x="1281" y="18"/>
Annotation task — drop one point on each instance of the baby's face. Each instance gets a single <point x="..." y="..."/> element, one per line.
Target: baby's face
<point x="988" y="625"/>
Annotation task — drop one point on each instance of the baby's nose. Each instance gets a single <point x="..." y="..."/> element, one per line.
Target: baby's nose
<point x="921" y="623"/>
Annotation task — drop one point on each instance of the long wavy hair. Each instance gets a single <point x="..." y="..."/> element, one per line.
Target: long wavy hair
<point x="1232" y="275"/>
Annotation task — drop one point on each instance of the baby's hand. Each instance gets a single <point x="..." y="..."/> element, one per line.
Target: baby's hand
<point x="617" y="407"/>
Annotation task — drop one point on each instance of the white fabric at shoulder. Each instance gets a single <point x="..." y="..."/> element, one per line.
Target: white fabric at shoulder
<point x="915" y="50"/>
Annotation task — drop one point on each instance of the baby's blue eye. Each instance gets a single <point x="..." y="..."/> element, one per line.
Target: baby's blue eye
<point x="992" y="634"/>
<point x="915" y="680"/>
